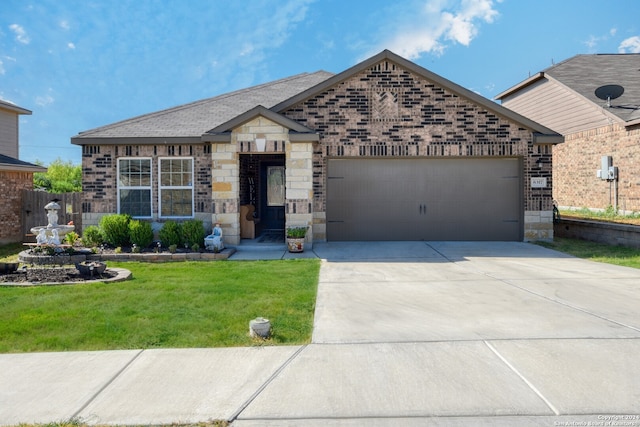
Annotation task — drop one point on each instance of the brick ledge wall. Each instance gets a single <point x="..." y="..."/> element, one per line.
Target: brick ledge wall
<point x="601" y="232"/>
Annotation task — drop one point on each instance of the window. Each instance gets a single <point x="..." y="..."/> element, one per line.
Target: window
<point x="176" y="187"/>
<point x="134" y="187"/>
<point x="275" y="186"/>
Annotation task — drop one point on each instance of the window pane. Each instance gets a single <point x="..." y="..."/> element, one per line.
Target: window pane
<point x="135" y="202"/>
<point x="135" y="172"/>
<point x="175" y="172"/>
<point x="275" y="186"/>
<point x="176" y="203"/>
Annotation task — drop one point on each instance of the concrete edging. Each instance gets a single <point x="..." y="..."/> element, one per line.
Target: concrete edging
<point x="597" y="231"/>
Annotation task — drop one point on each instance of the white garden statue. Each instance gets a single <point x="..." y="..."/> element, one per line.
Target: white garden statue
<point x="213" y="242"/>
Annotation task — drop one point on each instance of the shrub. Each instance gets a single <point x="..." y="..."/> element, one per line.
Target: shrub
<point x="193" y="232"/>
<point x="115" y="229"/>
<point x="140" y="233"/>
<point x="92" y="236"/>
<point x="171" y="234"/>
<point x="71" y="238"/>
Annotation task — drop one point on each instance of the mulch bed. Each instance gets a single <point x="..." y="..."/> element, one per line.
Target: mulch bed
<point x="52" y="275"/>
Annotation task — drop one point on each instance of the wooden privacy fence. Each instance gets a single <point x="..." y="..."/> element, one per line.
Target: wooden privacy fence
<point x="34" y="214"/>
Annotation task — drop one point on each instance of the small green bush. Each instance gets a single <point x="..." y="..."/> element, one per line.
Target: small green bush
<point x="193" y="232"/>
<point x="171" y="234"/>
<point x="71" y="238"/>
<point x="115" y="229"/>
<point x="92" y="236"/>
<point x="140" y="233"/>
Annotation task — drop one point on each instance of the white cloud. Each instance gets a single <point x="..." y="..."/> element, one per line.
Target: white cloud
<point x="439" y="22"/>
<point x="64" y="25"/>
<point x="21" y="34"/>
<point x="71" y="45"/>
<point x="2" y="70"/>
<point x="44" y="100"/>
<point x="630" y="45"/>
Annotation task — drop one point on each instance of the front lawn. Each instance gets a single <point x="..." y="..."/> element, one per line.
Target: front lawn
<point x="600" y="252"/>
<point x="165" y="305"/>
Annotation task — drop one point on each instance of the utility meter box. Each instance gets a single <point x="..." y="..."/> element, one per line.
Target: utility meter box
<point x="612" y="172"/>
<point x="606" y="163"/>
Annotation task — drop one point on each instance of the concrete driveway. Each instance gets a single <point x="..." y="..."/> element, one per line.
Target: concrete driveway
<point x="405" y="334"/>
<point x="448" y="333"/>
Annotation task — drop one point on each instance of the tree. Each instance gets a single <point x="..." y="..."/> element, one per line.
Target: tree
<point x="60" y="177"/>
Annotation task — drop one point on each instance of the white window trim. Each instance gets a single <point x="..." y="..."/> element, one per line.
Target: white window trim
<point x="177" y="187"/>
<point x="149" y="187"/>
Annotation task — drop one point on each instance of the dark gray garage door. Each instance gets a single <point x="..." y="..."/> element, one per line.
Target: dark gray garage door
<point x="424" y="199"/>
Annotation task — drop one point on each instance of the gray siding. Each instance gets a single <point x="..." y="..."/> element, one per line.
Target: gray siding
<point x="9" y="134"/>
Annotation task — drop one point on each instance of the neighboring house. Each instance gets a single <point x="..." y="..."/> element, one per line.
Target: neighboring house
<point x="385" y="150"/>
<point x="563" y="98"/>
<point x="15" y="175"/>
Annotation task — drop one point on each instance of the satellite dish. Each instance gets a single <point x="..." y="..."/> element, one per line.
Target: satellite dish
<point x="609" y="92"/>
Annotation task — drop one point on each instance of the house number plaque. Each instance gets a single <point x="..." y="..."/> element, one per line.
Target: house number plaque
<point x="538" y="182"/>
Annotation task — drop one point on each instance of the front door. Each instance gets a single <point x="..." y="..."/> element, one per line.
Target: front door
<point x="272" y="196"/>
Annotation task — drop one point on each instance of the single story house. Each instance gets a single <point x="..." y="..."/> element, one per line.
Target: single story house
<point x="15" y="175"/>
<point x="594" y="102"/>
<point x="385" y="150"/>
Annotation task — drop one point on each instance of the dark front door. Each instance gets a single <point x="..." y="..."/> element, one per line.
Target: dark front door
<point x="272" y="196"/>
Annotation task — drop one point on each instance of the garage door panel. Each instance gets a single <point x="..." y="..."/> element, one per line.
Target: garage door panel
<point x="424" y="199"/>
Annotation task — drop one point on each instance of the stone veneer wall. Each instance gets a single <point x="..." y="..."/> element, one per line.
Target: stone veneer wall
<point x="100" y="187"/>
<point x="575" y="163"/>
<point x="387" y="111"/>
<point x="225" y="174"/>
<point x="11" y="185"/>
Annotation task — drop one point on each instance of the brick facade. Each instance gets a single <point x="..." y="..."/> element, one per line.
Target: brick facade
<point x="576" y="162"/>
<point x="11" y="186"/>
<point x="381" y="110"/>
<point x="100" y="185"/>
<point x="387" y="111"/>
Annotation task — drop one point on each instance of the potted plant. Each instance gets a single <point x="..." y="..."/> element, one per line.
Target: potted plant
<point x="295" y="238"/>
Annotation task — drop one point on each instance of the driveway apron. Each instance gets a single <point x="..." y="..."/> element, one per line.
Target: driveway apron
<point x="452" y="333"/>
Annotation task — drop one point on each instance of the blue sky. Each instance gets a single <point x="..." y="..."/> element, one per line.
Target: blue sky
<point x="80" y="64"/>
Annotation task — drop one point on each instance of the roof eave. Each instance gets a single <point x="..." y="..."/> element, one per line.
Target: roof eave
<point x="145" y="140"/>
<point x="551" y="138"/>
<point x="14" y="108"/>
<point x="21" y="168"/>
<point x="531" y="80"/>
<point x="293" y="137"/>
<point x="304" y="137"/>
<point x="632" y="123"/>
<point x="216" y="137"/>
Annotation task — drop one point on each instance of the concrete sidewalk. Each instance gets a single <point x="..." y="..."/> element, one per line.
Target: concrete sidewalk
<point x="411" y="333"/>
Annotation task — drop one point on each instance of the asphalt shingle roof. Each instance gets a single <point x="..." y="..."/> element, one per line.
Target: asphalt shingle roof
<point x="11" y="163"/>
<point x="585" y="73"/>
<point x="196" y="118"/>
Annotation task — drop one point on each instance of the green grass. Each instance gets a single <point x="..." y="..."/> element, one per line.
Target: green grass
<point x="189" y="304"/>
<point x="608" y="215"/>
<point x="600" y="252"/>
<point x="166" y="305"/>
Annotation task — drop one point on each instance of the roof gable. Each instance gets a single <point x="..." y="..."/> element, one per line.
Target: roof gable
<point x="423" y="72"/>
<point x="6" y="105"/>
<point x="583" y="74"/>
<point x="222" y="133"/>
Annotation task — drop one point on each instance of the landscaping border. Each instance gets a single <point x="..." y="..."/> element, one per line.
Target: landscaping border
<point x="27" y="258"/>
<point x="598" y="231"/>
